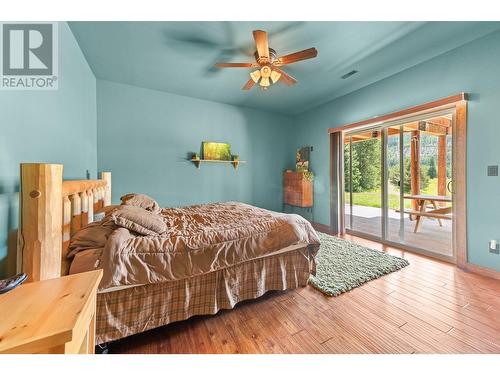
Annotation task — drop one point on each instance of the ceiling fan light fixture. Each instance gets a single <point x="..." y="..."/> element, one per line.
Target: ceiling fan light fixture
<point x="275" y="76"/>
<point x="255" y="75"/>
<point x="264" y="82"/>
<point x="265" y="71"/>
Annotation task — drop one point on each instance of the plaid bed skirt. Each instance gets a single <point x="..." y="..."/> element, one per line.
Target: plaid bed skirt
<point x="133" y="310"/>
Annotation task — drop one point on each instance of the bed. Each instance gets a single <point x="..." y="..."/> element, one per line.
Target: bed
<point x="210" y="257"/>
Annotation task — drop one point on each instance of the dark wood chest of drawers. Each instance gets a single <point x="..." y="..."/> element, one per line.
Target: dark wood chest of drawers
<point x="297" y="191"/>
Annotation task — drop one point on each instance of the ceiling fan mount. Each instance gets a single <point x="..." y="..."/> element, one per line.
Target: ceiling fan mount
<point x="273" y="56"/>
<point x="268" y="63"/>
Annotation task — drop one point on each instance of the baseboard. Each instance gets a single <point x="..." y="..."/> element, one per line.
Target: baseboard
<point x="322" y="228"/>
<point x="483" y="271"/>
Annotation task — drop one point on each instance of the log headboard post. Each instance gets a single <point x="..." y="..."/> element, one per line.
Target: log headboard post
<point x="51" y="210"/>
<point x="40" y="235"/>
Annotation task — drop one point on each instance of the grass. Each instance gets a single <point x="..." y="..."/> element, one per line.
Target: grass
<point x="374" y="198"/>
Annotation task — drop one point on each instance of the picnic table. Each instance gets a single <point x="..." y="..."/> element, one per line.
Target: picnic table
<point x="423" y="201"/>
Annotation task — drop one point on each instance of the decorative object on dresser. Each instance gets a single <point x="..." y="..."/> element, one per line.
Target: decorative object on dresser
<point x="50" y="316"/>
<point x="302" y="159"/>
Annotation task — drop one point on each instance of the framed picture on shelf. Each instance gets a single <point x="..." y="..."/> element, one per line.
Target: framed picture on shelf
<point x="216" y="151"/>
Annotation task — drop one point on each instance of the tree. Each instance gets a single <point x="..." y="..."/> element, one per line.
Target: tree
<point x="394" y="176"/>
<point x="369" y="164"/>
<point x="356" y="176"/>
<point x="366" y="162"/>
<point x="432" y="168"/>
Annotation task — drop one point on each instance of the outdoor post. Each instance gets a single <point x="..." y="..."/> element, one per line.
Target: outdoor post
<point x="415" y="166"/>
<point x="441" y="168"/>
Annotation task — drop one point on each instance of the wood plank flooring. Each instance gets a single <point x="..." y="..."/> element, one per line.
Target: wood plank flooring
<point x="428" y="307"/>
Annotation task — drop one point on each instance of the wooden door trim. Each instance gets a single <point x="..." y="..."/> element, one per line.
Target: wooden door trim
<point x="459" y="165"/>
<point x="433" y="106"/>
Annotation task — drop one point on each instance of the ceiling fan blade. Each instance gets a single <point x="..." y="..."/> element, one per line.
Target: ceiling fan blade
<point x="262" y="44"/>
<point x="297" y="56"/>
<point x="286" y="78"/>
<point x="236" y="65"/>
<point x="249" y="84"/>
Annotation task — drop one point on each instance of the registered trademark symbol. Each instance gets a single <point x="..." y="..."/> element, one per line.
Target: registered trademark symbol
<point x="54" y="78"/>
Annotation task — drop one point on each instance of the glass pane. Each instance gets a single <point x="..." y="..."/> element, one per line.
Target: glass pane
<point x="347" y="182"/>
<point x="427" y="171"/>
<point x="366" y="183"/>
<point x="394" y="224"/>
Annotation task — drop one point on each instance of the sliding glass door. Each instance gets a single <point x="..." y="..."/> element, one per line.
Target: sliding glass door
<point x="397" y="179"/>
<point x="363" y="182"/>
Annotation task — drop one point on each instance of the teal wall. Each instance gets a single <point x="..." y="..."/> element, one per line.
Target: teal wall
<point x="46" y="126"/>
<point x="144" y="137"/>
<point x="473" y="68"/>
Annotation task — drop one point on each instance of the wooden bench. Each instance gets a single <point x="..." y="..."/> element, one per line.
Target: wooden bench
<point x="437" y="213"/>
<point x="428" y="214"/>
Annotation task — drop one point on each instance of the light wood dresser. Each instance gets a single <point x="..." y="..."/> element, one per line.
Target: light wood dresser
<point x="297" y="190"/>
<point x="50" y="316"/>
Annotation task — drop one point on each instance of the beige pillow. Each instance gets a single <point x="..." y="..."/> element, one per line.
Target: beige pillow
<point x="141" y="200"/>
<point x="139" y="220"/>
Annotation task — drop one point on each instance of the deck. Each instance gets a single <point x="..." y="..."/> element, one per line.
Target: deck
<point x="430" y="237"/>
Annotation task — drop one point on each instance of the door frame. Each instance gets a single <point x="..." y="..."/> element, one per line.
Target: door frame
<point x="458" y="103"/>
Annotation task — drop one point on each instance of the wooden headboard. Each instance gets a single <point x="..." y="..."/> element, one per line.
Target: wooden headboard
<point x="51" y="210"/>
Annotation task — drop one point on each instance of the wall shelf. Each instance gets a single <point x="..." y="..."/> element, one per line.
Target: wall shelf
<point x="235" y="163"/>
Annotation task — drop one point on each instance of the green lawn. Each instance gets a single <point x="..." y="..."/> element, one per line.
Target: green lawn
<point x="374" y="198"/>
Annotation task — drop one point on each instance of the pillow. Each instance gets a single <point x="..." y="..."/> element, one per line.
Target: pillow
<point x="141" y="200"/>
<point x="139" y="220"/>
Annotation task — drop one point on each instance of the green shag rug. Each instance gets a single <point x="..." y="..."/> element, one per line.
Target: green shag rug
<point x="343" y="265"/>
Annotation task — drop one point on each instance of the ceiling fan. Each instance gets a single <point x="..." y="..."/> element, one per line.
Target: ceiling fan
<point x="268" y="63"/>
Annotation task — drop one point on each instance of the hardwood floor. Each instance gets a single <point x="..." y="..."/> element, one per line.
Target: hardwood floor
<point x="427" y="307"/>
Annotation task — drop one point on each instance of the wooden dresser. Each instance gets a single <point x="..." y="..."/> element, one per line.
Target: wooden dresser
<point x="297" y="191"/>
<point x="50" y="316"/>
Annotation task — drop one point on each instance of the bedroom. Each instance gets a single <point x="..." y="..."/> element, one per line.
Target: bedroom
<point x="214" y="254"/>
